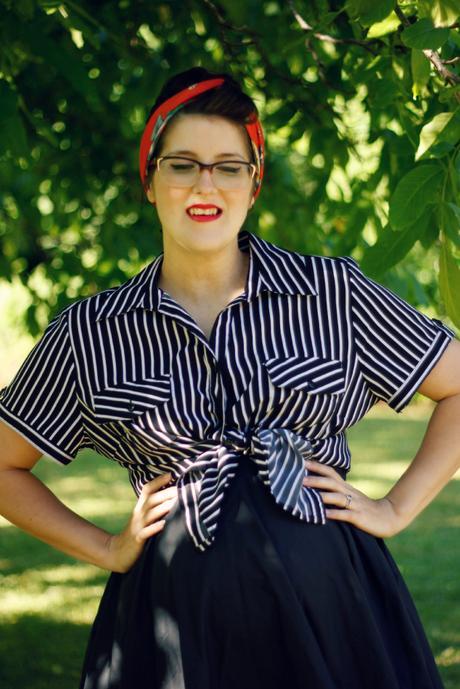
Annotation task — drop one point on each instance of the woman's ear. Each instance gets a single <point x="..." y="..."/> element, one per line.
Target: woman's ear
<point x="150" y="194"/>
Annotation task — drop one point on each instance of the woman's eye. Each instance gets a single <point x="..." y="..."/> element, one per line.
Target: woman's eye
<point x="230" y="169"/>
<point x="181" y="167"/>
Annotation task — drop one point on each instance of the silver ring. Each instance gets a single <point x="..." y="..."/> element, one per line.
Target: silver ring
<point x="348" y="497"/>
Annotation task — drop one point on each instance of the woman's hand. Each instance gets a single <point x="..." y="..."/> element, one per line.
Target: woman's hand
<point x="154" y="502"/>
<point x="377" y="517"/>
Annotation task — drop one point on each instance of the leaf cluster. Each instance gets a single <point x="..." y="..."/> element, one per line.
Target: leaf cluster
<point x="359" y="102"/>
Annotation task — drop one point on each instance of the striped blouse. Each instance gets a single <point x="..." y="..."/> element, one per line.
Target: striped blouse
<point x="291" y="363"/>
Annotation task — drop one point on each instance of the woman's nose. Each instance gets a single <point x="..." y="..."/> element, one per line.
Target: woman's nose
<point x="205" y="180"/>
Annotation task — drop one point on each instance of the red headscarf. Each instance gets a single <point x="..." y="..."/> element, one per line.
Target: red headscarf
<point x="161" y="116"/>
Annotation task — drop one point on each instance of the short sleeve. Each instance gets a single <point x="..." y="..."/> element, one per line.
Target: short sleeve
<point x="396" y="345"/>
<point x="41" y="403"/>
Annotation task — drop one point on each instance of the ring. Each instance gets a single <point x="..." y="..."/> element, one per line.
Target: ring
<point x="348" y="497"/>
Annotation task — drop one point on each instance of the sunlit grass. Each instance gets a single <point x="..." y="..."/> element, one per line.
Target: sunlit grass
<point x="427" y="552"/>
<point x="48" y="600"/>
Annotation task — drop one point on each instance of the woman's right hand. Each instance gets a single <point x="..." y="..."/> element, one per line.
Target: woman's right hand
<point x="154" y="502"/>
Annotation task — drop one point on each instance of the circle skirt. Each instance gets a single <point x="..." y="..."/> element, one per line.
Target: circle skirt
<point x="273" y="603"/>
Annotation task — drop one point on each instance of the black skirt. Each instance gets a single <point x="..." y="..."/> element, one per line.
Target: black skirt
<point x="272" y="603"/>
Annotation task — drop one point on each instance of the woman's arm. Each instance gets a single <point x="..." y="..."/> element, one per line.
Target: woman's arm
<point x="434" y="464"/>
<point x="28" y="503"/>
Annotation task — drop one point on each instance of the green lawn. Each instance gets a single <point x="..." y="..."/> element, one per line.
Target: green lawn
<point x="48" y="600"/>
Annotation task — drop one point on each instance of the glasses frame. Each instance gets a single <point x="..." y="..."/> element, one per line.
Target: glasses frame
<point x="203" y="166"/>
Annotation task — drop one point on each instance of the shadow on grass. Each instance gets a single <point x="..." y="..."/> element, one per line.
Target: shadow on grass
<point x="40" y="653"/>
<point x="427" y="551"/>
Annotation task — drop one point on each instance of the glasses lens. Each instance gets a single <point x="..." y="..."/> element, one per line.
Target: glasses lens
<point x="232" y="175"/>
<point x="179" y="172"/>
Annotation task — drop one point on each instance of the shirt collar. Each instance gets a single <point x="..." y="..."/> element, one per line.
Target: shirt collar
<point x="276" y="269"/>
<point x="270" y="268"/>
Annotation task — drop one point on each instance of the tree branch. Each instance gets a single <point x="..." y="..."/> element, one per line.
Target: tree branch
<point x="77" y="9"/>
<point x="433" y="56"/>
<point x="305" y="26"/>
<point x="447" y="74"/>
<point x="232" y="48"/>
<point x="401" y="16"/>
<point x="224" y="25"/>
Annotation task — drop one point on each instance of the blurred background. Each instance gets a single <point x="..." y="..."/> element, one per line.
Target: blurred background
<point x="359" y="102"/>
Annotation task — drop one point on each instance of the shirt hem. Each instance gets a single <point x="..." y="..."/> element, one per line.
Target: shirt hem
<point x="404" y="394"/>
<point x="34" y="438"/>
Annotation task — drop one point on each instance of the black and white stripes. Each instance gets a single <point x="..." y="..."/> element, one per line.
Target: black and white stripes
<point x="291" y="363"/>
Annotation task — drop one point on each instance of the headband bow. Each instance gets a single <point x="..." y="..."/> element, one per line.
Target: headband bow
<point x="162" y="115"/>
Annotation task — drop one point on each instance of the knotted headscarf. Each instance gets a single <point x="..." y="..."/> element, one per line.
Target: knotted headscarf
<point x="163" y="114"/>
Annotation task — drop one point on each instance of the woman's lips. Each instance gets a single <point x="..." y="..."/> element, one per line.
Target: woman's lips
<point x="204" y="218"/>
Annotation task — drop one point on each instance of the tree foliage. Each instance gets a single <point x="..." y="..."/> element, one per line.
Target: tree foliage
<point x="360" y="103"/>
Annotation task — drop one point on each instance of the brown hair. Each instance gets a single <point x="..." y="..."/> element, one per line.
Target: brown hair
<point x="228" y="101"/>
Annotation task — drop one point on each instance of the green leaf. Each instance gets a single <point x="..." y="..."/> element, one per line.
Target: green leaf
<point x="64" y="58"/>
<point x="408" y="126"/>
<point x="431" y="233"/>
<point x="449" y="93"/>
<point x="391" y="246"/>
<point x="388" y="25"/>
<point x="25" y="8"/>
<point x="449" y="221"/>
<point x="12" y="133"/>
<point x="449" y="282"/>
<point x="383" y="92"/>
<point x="237" y="10"/>
<point x="354" y="226"/>
<point x="423" y="35"/>
<point x="420" y="67"/>
<point x="368" y="12"/>
<point x="417" y="189"/>
<point x="439" y="135"/>
<point x="442" y="12"/>
<point x="327" y="18"/>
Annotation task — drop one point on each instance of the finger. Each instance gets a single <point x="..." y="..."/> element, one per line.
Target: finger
<point x="324" y="482"/>
<point x="339" y="515"/>
<point x="159" y="511"/>
<point x="156" y="483"/>
<point x="160" y="496"/>
<point x="338" y="499"/>
<point x="320" y="468"/>
<point x="152" y="487"/>
<point x="151" y="530"/>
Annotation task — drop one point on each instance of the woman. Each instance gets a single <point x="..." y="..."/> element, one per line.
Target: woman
<point x="223" y="377"/>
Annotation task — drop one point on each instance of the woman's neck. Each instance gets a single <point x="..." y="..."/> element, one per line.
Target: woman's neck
<point x="193" y="277"/>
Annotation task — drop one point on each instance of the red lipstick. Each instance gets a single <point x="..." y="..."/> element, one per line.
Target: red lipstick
<point x="205" y="212"/>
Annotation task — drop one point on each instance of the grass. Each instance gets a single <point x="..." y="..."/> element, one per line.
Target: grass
<point x="48" y="600"/>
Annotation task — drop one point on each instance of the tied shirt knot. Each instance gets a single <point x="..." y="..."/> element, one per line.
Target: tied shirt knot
<point x="279" y="455"/>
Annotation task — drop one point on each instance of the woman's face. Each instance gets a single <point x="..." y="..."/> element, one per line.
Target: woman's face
<point x="205" y="138"/>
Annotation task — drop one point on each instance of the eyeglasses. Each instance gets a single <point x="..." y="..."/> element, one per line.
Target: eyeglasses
<point x="184" y="172"/>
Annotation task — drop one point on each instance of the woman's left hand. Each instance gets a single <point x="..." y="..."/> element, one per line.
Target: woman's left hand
<point x="377" y="517"/>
